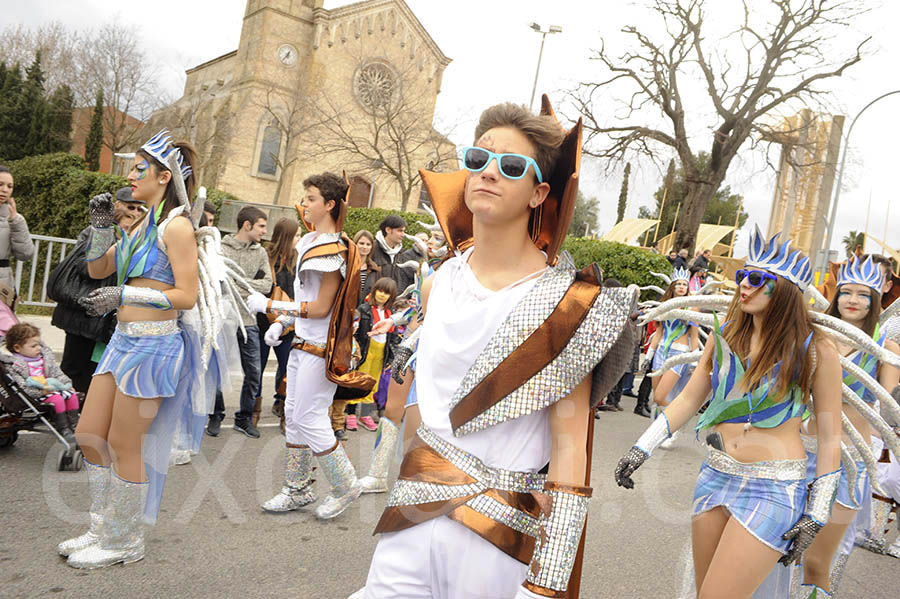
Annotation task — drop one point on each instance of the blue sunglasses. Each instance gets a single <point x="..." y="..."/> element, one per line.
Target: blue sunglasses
<point x="754" y="277"/>
<point x="512" y="166"/>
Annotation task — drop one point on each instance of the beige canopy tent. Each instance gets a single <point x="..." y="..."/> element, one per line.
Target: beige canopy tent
<point x="629" y="230"/>
<point x="708" y="238"/>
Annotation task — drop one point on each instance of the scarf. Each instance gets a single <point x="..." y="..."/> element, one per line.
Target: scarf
<point x="391" y="252"/>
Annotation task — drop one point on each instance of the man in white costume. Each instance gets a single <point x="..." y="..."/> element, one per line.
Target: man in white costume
<point x="515" y="348"/>
<point x="326" y="291"/>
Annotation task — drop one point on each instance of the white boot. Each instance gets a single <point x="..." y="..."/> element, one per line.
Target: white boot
<point x="299" y="488"/>
<point x="98" y="483"/>
<point x="336" y="467"/>
<point x="122" y="532"/>
<point x="382" y="455"/>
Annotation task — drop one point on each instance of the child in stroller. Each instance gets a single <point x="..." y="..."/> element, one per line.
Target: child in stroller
<point x="32" y="366"/>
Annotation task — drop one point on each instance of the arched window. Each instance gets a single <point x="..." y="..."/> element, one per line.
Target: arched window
<point x="268" y="152"/>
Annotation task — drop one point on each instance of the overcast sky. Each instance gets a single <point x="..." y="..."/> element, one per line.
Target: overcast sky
<point x="494" y="55"/>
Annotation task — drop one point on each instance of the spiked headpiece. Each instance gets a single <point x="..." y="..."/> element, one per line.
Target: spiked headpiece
<point x="681" y="274"/>
<point x="861" y="272"/>
<point x="160" y="146"/>
<point x="781" y="260"/>
<point x="549" y="222"/>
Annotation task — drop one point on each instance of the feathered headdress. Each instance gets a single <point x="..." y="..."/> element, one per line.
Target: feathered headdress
<point x="681" y="274"/>
<point x="160" y="146"/>
<point x="781" y="260"/>
<point x="862" y="272"/>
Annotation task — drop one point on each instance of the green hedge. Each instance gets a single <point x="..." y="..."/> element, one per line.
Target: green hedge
<point x="52" y="192"/>
<point x="627" y="264"/>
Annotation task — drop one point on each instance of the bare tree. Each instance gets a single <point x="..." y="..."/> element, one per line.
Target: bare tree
<point x="385" y="125"/>
<point x="114" y="62"/>
<point x="292" y="114"/>
<point x="776" y="59"/>
<point x="57" y="44"/>
<point x="110" y="60"/>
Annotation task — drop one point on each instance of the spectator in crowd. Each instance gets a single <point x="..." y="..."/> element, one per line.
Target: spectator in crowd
<point x="15" y="240"/>
<point x="701" y="262"/>
<point x="671" y="257"/>
<point x="209" y="211"/>
<point x="681" y="261"/>
<point x="388" y="252"/>
<point x="369" y="271"/>
<point x="245" y="250"/>
<point x="86" y="336"/>
<point x="282" y="261"/>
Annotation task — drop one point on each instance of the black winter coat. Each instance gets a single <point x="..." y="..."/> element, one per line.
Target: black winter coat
<point x="362" y="335"/>
<point x="68" y="282"/>
<point x="404" y="277"/>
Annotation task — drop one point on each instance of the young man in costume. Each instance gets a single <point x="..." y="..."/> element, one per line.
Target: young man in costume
<point x="508" y="362"/>
<point x="326" y="291"/>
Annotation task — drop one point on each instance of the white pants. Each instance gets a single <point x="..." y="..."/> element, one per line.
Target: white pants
<point x="308" y="403"/>
<point x="441" y="559"/>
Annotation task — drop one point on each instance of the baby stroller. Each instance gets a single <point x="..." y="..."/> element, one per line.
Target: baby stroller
<point x="18" y="412"/>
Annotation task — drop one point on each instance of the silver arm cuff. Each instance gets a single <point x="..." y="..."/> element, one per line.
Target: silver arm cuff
<point x="560" y="533"/>
<point x="821" y="496"/>
<point x="285" y="321"/>
<point x="411" y="340"/>
<point x="403" y="318"/>
<point x="655" y="434"/>
<point x="288" y="309"/>
<point x="145" y="298"/>
<point x="100" y="240"/>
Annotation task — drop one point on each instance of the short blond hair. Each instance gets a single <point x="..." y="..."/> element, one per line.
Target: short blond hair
<point x="542" y="131"/>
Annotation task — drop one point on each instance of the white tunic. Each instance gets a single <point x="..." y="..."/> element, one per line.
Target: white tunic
<point x="461" y="317"/>
<point x="306" y="289"/>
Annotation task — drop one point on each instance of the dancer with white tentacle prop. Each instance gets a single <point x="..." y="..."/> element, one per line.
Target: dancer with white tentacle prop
<point x="760" y="365"/>
<point x="163" y="362"/>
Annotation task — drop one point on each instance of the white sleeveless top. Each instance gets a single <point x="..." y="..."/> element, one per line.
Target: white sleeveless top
<point x="461" y="317"/>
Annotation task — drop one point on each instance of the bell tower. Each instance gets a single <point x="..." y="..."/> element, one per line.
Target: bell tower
<point x="276" y="41"/>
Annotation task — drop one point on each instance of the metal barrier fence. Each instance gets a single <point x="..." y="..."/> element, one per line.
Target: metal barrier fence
<point x="48" y="252"/>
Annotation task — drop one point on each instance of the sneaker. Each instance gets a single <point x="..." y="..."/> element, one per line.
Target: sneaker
<point x="351" y="422"/>
<point x="213" y="426"/>
<point x="368" y="423"/>
<point x="246" y="427"/>
<point x="340" y="434"/>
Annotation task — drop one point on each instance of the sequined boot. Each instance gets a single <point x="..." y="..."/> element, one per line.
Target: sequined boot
<point x="837" y="573"/>
<point x="122" y="532"/>
<point x="336" y="467"/>
<point x="299" y="488"/>
<point x="98" y="483"/>
<point x="385" y="445"/>
<point x="894" y="549"/>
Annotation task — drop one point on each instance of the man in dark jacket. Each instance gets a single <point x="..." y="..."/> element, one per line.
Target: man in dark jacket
<point x="389" y="255"/>
<point x="681" y="261"/>
<point x="701" y="263"/>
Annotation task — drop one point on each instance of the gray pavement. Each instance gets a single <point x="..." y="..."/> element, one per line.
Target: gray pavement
<point x="212" y="540"/>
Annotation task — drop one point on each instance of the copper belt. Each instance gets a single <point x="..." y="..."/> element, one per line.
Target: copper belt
<point x="310" y="347"/>
<point x="439" y="479"/>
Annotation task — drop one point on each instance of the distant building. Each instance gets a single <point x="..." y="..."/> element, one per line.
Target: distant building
<point x="250" y="114"/>
<point x="81" y="125"/>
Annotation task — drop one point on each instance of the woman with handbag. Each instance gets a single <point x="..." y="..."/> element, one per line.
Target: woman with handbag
<point x="283" y="261"/>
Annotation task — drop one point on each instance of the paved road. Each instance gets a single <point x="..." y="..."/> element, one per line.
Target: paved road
<point x="213" y="541"/>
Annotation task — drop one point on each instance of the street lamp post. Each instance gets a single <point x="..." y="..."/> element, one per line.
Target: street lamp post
<point x="837" y="191"/>
<point x="537" y="28"/>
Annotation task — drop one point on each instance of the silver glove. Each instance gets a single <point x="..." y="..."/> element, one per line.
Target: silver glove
<point x="802" y="533"/>
<point x="101" y="211"/>
<point x="400" y="365"/>
<point x="629" y="462"/>
<point x="102" y="301"/>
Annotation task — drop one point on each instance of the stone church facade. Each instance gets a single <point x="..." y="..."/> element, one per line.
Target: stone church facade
<point x="311" y="89"/>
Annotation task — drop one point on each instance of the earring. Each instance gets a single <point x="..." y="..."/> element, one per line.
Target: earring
<point x="162" y="182"/>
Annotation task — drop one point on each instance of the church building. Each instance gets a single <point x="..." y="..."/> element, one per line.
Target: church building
<point x="349" y="89"/>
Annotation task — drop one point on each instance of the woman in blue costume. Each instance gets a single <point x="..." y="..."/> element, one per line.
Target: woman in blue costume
<point x="138" y="392"/>
<point x="760" y="366"/>
<point x="858" y="303"/>
<point x="673" y="337"/>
